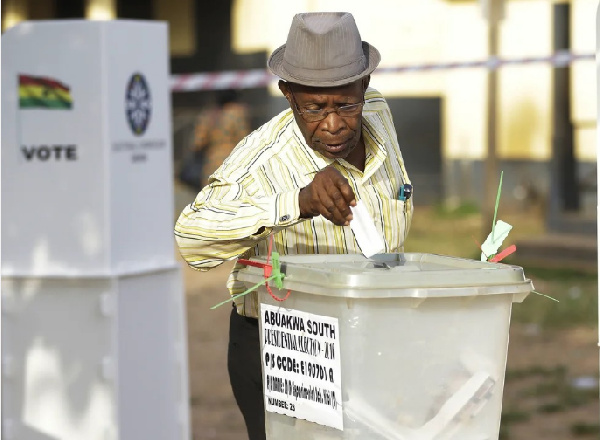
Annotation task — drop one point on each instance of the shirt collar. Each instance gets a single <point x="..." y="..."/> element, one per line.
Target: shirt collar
<point x="375" y="149"/>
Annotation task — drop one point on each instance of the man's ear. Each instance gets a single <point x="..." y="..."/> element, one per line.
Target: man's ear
<point x="366" y="81"/>
<point x="283" y="87"/>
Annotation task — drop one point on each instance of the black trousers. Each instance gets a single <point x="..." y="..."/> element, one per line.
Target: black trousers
<point x="245" y="375"/>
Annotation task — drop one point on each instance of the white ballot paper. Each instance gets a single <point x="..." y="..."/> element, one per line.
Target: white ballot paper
<point x="492" y="243"/>
<point x="368" y="237"/>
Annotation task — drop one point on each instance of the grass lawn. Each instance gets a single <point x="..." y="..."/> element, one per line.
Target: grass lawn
<point x="459" y="233"/>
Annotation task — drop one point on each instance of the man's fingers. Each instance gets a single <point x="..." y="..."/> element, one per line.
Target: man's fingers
<point x="332" y="196"/>
<point x="330" y="210"/>
<point x="346" y="191"/>
<point x="342" y="185"/>
<point x="341" y="204"/>
<point x="339" y="183"/>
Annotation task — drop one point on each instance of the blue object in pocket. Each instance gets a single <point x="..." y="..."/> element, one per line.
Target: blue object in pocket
<point x="405" y="192"/>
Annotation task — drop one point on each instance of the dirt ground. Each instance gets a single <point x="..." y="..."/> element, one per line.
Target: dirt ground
<point x="539" y="399"/>
<point x="213" y="411"/>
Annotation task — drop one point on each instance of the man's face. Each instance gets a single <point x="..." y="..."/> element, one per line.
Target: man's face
<point x="334" y="136"/>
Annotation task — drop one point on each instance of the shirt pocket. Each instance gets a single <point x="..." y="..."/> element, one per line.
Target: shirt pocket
<point x="392" y="218"/>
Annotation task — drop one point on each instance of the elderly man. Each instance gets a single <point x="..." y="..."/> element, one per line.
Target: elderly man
<point x="297" y="176"/>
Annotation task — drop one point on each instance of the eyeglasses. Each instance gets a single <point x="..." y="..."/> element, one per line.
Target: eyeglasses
<point x="315" y="115"/>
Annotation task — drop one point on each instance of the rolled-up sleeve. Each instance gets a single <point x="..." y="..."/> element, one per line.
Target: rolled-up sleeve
<point x="225" y="221"/>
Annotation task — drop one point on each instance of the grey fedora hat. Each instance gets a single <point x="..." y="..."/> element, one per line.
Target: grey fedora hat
<point x="323" y="49"/>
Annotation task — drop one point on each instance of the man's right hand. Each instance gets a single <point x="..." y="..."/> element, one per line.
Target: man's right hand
<point x="329" y="195"/>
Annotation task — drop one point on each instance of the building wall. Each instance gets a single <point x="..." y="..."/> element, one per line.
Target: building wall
<point x="406" y="32"/>
<point x="423" y="31"/>
<point x="583" y="25"/>
<point x="180" y="16"/>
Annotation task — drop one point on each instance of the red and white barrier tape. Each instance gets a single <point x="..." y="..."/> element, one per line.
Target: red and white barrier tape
<point x="233" y="79"/>
<point x="248" y="79"/>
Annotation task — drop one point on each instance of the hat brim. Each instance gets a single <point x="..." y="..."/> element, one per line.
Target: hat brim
<point x="276" y="65"/>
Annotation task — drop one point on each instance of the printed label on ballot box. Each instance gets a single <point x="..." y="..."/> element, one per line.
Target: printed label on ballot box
<point x="301" y="365"/>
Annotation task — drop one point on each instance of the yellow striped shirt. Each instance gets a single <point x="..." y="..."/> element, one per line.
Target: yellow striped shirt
<point x="257" y="187"/>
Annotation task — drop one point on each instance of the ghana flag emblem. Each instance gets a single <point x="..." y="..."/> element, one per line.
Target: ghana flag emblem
<point x="43" y="92"/>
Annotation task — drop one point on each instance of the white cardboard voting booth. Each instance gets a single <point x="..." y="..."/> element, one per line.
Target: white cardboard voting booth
<point x="85" y="194"/>
<point x="93" y="323"/>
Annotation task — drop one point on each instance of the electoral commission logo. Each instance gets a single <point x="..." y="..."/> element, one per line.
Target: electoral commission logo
<point x="138" y="104"/>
